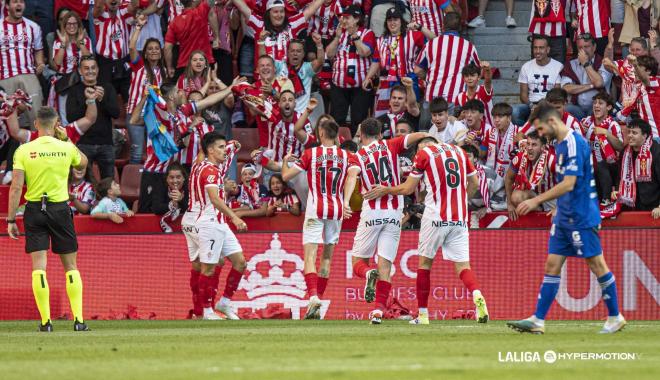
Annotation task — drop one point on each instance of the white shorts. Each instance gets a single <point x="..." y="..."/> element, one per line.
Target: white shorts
<point x="208" y="240"/>
<point x="378" y="229"/>
<point x="452" y="237"/>
<point x="321" y="231"/>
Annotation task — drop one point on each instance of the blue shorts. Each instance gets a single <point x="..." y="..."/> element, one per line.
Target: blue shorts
<point x="583" y="243"/>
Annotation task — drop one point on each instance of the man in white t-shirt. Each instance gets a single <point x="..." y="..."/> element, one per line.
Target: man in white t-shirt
<point x="536" y="78"/>
<point x="443" y="129"/>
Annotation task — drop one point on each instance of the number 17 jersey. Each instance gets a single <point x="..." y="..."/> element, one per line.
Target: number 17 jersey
<point x="326" y="169"/>
<point x="445" y="169"/>
<point x="379" y="165"/>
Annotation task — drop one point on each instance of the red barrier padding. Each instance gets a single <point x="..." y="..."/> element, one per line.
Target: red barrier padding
<point x="541" y="220"/>
<point x="146" y="276"/>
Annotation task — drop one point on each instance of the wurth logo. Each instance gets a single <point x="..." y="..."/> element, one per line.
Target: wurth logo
<point x="33" y="155"/>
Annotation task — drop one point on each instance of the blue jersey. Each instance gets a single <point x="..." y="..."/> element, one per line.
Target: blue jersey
<point x="577" y="209"/>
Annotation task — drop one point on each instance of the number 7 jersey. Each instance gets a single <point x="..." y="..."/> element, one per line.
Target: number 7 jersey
<point x="326" y="169"/>
<point x="445" y="169"/>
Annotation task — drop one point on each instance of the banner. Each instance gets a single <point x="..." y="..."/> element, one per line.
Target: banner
<point x="146" y="276"/>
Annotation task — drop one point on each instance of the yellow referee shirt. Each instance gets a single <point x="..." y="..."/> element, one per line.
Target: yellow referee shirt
<point x="46" y="162"/>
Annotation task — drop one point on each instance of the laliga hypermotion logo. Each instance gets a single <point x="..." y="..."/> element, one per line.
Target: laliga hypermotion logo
<point x="276" y="286"/>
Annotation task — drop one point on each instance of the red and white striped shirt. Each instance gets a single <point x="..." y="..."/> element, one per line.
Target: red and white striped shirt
<point x="554" y="24"/>
<point x="188" y="154"/>
<point x="18" y="44"/>
<point x="204" y="175"/>
<point x="399" y="53"/>
<point x="593" y="17"/>
<point x="429" y="13"/>
<point x="84" y="192"/>
<point x="72" y="132"/>
<point x="276" y="46"/>
<point x="649" y="104"/>
<point x="287" y="201"/>
<point x="171" y="121"/>
<point x="348" y="60"/>
<point x="326" y="169"/>
<point x="567" y="118"/>
<point x="445" y="169"/>
<point x="444" y="58"/>
<point x="282" y="139"/>
<point x="139" y="80"/>
<point x="588" y="125"/>
<point x="379" y="165"/>
<point x="71" y="55"/>
<point x="547" y="182"/>
<point x="481" y="94"/>
<point x="325" y="20"/>
<point x="112" y="33"/>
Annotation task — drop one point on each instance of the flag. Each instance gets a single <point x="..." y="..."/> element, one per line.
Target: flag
<point x="161" y="139"/>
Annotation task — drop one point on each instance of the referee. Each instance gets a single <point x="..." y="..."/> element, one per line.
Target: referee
<point x="43" y="165"/>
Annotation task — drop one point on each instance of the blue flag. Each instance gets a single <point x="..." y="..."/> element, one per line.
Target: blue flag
<point x="161" y="140"/>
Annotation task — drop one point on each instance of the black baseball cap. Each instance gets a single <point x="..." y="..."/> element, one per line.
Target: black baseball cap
<point x="393" y="13"/>
<point x="352" y="10"/>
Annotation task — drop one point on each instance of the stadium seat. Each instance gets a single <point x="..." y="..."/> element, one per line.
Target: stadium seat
<point x="249" y="139"/>
<point x="130" y="183"/>
<point x="97" y="173"/>
<point x="345" y="132"/>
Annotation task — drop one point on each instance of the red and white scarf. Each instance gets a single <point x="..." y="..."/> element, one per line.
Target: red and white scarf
<point x="249" y="195"/>
<point x="172" y="214"/>
<point x="632" y="89"/>
<point x="483" y="186"/>
<point x="538" y="172"/>
<point x="499" y="149"/>
<point x="607" y="152"/>
<point x="633" y="172"/>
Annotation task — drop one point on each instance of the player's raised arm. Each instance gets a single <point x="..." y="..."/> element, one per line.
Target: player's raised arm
<point x="221" y="206"/>
<point x="405" y="188"/>
<point x="414" y="138"/>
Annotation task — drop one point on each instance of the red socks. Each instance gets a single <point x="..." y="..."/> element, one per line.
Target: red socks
<point x="194" y="288"/>
<point x="233" y="279"/>
<point x="469" y="280"/>
<point x="206" y="291"/>
<point x="321" y="284"/>
<point x="311" y="280"/>
<point x="216" y="276"/>
<point x="382" y="294"/>
<point x="423" y="287"/>
<point x="360" y="269"/>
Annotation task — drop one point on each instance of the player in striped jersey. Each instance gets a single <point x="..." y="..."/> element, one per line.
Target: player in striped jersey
<point x="450" y="179"/>
<point x="575" y="226"/>
<point x="72" y="131"/>
<point x="208" y="236"/>
<point x="326" y="167"/>
<point x="380" y="221"/>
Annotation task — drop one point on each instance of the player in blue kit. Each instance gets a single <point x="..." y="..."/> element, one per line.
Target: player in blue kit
<point x="574" y="231"/>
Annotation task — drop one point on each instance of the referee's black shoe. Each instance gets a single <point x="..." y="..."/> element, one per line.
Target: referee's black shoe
<point x="80" y="326"/>
<point x="48" y="327"/>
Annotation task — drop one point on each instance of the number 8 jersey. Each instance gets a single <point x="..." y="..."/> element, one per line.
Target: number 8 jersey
<point x="326" y="169"/>
<point x="445" y="169"/>
<point x="379" y="165"/>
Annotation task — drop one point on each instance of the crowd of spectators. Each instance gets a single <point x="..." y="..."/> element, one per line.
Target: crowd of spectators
<point x="408" y="64"/>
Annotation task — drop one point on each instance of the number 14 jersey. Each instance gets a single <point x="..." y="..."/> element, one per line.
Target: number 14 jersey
<point x="326" y="169"/>
<point x="445" y="169"/>
<point x="379" y="165"/>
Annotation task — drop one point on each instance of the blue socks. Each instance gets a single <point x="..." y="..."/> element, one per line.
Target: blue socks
<point x="547" y="294"/>
<point x="610" y="298"/>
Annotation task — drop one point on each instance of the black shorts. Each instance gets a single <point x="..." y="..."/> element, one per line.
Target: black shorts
<point x="54" y="225"/>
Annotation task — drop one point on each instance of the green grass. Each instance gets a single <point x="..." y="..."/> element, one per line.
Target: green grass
<point x="317" y="350"/>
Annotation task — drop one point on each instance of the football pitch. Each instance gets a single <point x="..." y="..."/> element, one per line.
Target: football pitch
<point x="316" y="350"/>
